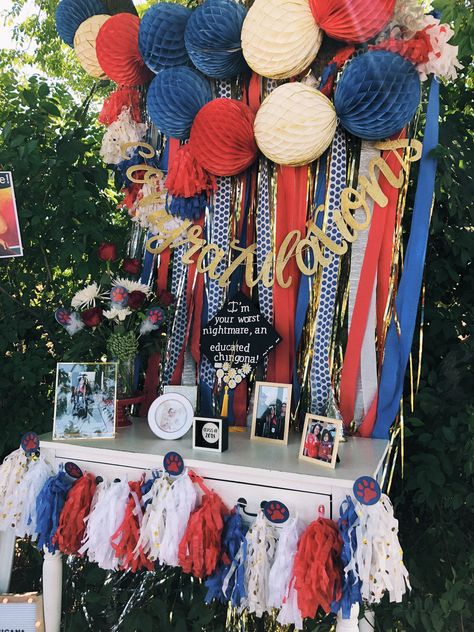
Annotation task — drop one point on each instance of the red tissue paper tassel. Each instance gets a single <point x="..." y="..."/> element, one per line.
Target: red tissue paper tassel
<point x="125" y="540"/>
<point x="416" y="49"/>
<point x="317" y="568"/>
<point x="70" y="531"/>
<point x="186" y="178"/>
<point x="200" y="549"/>
<point x="115" y="102"/>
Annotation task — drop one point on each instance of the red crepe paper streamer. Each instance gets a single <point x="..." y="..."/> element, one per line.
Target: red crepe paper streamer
<point x="317" y="569"/>
<point x="200" y="549"/>
<point x="116" y="101"/>
<point x="118" y="53"/>
<point x="353" y="21"/>
<point x="186" y="177"/>
<point x="71" y="526"/>
<point x="128" y="534"/>
<point x="222" y="137"/>
<point x="416" y="49"/>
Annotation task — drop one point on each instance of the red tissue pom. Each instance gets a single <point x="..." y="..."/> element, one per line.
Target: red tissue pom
<point x="118" y="53"/>
<point x="116" y="101"/>
<point x="186" y="178"/>
<point x="222" y="137"/>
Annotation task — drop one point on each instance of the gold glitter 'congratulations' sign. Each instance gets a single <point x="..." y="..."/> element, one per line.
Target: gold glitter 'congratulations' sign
<point x="315" y="240"/>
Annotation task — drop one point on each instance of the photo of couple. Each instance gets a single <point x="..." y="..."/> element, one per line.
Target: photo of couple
<point x="271" y="416"/>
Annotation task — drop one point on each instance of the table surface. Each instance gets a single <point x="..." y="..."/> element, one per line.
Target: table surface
<point x="358" y="456"/>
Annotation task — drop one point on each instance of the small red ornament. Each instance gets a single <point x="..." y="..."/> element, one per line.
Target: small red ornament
<point x="222" y="138"/>
<point x="136" y="299"/>
<point x="92" y="317"/>
<point x="107" y="251"/>
<point x="131" y="266"/>
<point x="118" y="53"/>
<point x="353" y="21"/>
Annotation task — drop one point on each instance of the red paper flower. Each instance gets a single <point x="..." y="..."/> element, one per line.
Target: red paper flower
<point x="107" y="251"/>
<point x="92" y="317"/>
<point x="165" y="298"/>
<point x="131" y="266"/>
<point x="136" y="299"/>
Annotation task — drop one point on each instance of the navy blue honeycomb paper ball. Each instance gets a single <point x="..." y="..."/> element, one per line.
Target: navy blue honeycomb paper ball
<point x="213" y="38"/>
<point x="377" y="94"/>
<point x="174" y="98"/>
<point x="70" y="14"/>
<point x="161" y="36"/>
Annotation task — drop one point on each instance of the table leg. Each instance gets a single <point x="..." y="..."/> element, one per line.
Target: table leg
<point x="52" y="590"/>
<point x="348" y="625"/>
<point x="7" y="550"/>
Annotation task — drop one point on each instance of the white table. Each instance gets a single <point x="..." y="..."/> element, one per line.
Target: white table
<point x="248" y="470"/>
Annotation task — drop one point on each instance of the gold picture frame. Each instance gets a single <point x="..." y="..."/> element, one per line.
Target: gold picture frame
<point x="314" y="451"/>
<point x="271" y="407"/>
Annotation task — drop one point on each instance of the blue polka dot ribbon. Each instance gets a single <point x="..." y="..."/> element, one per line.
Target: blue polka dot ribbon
<point x="320" y="376"/>
<point x="263" y="226"/>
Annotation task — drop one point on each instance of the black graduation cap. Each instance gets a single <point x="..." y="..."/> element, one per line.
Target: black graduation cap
<point x="237" y="338"/>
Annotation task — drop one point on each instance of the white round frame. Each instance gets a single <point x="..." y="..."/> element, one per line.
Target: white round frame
<point x="153" y="420"/>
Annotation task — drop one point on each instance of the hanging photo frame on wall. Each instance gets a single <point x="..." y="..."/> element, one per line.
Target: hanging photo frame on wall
<point x="271" y="413"/>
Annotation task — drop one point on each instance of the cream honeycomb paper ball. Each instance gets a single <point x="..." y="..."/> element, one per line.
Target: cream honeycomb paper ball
<point x="84" y="45"/>
<point x="295" y="124"/>
<point x="280" y="38"/>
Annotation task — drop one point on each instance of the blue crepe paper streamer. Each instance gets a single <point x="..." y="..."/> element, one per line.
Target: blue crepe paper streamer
<point x="397" y="347"/>
<point x="49" y="504"/>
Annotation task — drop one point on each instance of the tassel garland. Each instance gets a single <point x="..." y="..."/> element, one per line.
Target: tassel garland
<point x="49" y="505"/>
<point x="12" y="471"/>
<point x="71" y="526"/>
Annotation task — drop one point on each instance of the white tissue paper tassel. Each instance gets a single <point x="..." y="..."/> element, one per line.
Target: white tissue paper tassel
<point x="290" y="613"/>
<point x="12" y="471"/>
<point x="378" y="559"/>
<point x="180" y="501"/>
<point x="107" y="513"/>
<point x="154" y="519"/>
<point x="282" y="568"/>
<point x="124" y="130"/>
<point x="261" y="544"/>
<point x="38" y="472"/>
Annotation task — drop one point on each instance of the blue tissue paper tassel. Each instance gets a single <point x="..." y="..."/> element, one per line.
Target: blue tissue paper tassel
<point x="351" y="583"/>
<point x="49" y="504"/>
<point x="187" y="208"/>
<point x="233" y="536"/>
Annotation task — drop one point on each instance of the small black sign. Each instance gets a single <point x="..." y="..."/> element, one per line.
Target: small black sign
<point x="210" y="434"/>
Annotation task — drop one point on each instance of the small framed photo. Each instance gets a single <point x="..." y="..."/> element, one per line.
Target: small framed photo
<point x="85" y="399"/>
<point x="271" y="412"/>
<point x="210" y="434"/>
<point x="320" y="440"/>
<point x="170" y="416"/>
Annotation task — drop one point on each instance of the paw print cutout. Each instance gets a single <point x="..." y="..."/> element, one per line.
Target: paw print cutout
<point x="73" y="470"/>
<point x="30" y="442"/>
<point x="155" y="315"/>
<point x="366" y="490"/>
<point x="63" y="316"/>
<point x="173" y="463"/>
<point x="276" y="512"/>
<point x="119" y="296"/>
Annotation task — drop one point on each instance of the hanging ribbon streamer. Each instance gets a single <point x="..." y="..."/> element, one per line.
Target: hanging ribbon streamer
<point x="320" y="368"/>
<point x="398" y="344"/>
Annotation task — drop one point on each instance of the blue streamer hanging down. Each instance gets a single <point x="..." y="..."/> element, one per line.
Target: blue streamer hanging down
<point x="398" y="345"/>
<point x="351" y="584"/>
<point x="233" y="535"/>
<point x="49" y="504"/>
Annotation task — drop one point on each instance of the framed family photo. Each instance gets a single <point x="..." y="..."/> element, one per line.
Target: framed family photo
<point x="85" y="399"/>
<point x="271" y="412"/>
<point x="320" y="440"/>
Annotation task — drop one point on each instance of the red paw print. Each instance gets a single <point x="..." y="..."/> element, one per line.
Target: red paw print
<point x="73" y="470"/>
<point x="63" y="316"/>
<point x="155" y="315"/>
<point x="30" y="442"/>
<point x="366" y="490"/>
<point x="276" y="511"/>
<point x="119" y="295"/>
<point x="173" y="463"/>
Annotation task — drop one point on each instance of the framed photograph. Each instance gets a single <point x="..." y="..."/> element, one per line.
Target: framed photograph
<point x="85" y="399"/>
<point x="320" y="440"/>
<point x="210" y="434"/>
<point x="22" y="612"/>
<point x="271" y="412"/>
<point x="170" y="416"/>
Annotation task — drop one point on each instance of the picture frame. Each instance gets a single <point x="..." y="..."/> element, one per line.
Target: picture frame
<point x="210" y="434"/>
<point x="190" y="392"/>
<point x="322" y="451"/>
<point x="271" y="413"/>
<point x="22" y="612"/>
<point x="85" y="400"/>
<point x="170" y="416"/>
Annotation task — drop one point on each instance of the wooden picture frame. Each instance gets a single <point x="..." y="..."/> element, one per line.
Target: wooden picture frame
<point x="268" y="413"/>
<point x="210" y="434"/>
<point x="314" y="451"/>
<point x="22" y="612"/>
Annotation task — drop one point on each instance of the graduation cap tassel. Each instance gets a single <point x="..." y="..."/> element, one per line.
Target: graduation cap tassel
<point x="225" y="402"/>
